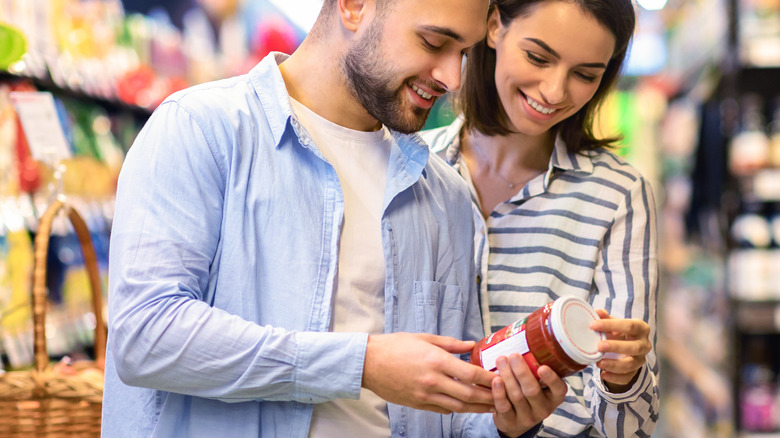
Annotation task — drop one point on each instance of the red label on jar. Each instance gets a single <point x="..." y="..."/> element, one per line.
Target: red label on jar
<point x="508" y="340"/>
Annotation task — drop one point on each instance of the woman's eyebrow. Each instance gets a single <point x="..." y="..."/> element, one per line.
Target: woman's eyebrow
<point x="555" y="54"/>
<point x="544" y="46"/>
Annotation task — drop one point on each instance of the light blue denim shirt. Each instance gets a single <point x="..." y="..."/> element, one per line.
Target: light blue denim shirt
<point x="223" y="259"/>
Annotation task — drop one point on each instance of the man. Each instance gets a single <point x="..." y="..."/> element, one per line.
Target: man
<point x="282" y="263"/>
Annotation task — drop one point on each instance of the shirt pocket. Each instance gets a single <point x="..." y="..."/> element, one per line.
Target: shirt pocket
<point x="438" y="308"/>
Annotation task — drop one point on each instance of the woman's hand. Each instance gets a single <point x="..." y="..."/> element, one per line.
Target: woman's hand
<point x="521" y="401"/>
<point x="628" y="341"/>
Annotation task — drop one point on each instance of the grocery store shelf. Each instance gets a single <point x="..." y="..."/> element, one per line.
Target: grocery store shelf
<point x="109" y="104"/>
<point x="757" y="316"/>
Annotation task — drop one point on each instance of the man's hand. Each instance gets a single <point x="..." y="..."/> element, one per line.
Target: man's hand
<point x="629" y="341"/>
<point x="419" y="370"/>
<point x="521" y="401"/>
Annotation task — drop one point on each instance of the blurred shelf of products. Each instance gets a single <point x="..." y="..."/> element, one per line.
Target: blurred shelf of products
<point x="719" y="310"/>
<point x="698" y="108"/>
<point x="107" y="67"/>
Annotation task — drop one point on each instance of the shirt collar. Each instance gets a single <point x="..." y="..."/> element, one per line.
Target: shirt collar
<point x="452" y="140"/>
<point x="565" y="160"/>
<point x="272" y="93"/>
<point x="561" y="157"/>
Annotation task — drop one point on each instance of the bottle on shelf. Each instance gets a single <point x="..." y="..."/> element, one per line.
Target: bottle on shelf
<point x="749" y="149"/>
<point x="750" y="262"/>
<point x="774" y="136"/>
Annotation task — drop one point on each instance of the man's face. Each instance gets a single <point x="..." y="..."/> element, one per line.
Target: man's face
<point x="410" y="55"/>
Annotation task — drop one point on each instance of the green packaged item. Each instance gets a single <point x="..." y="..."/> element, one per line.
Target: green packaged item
<point x="12" y="45"/>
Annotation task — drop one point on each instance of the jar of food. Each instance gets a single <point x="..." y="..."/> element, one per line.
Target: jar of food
<point x="557" y="334"/>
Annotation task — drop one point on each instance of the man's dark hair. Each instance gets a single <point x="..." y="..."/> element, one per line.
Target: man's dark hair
<point x="478" y="99"/>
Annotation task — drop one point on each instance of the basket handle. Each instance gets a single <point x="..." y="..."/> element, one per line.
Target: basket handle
<point x="39" y="293"/>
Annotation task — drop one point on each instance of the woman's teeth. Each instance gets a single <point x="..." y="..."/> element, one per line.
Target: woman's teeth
<point x="421" y="93"/>
<point x="538" y="106"/>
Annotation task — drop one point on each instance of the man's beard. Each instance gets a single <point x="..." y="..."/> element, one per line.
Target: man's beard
<point x="370" y="80"/>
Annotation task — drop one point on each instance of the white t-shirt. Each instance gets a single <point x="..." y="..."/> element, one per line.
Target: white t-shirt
<point x="360" y="160"/>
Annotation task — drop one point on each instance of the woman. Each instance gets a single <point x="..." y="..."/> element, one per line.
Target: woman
<point x="556" y="213"/>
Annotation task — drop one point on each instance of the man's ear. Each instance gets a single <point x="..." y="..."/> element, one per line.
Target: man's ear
<point x="352" y="12"/>
<point x="493" y="28"/>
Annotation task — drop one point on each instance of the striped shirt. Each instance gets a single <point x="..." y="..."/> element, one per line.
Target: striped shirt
<point x="585" y="228"/>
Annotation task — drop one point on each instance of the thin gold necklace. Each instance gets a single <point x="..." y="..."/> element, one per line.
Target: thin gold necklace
<point x="487" y="163"/>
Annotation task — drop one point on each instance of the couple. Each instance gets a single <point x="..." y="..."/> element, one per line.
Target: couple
<point x="289" y="259"/>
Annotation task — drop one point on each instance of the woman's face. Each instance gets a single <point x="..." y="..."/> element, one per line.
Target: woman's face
<point x="548" y="64"/>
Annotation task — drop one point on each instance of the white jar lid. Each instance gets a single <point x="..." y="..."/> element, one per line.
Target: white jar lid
<point x="571" y="318"/>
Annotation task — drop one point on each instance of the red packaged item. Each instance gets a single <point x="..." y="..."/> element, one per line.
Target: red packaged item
<point x="557" y="334"/>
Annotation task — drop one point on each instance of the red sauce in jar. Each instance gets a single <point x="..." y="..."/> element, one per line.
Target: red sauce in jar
<point x="557" y="334"/>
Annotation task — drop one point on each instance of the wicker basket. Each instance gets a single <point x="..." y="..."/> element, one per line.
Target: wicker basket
<point x="45" y="401"/>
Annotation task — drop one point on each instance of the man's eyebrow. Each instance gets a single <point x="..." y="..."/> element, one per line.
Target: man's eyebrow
<point x="552" y="52"/>
<point x="446" y="31"/>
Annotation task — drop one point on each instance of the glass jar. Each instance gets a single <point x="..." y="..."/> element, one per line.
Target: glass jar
<point x="557" y="334"/>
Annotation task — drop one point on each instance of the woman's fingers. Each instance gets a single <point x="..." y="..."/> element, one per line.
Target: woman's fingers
<point x="636" y="347"/>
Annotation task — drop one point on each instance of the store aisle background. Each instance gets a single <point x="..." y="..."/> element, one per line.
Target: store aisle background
<point x="699" y="108"/>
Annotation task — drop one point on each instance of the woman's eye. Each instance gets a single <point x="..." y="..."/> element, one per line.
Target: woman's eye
<point x="587" y="77"/>
<point x="535" y="59"/>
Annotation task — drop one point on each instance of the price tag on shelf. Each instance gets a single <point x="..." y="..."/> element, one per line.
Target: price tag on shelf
<point x="41" y="126"/>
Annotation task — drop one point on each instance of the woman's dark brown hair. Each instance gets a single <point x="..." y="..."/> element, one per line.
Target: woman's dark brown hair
<point x="478" y="99"/>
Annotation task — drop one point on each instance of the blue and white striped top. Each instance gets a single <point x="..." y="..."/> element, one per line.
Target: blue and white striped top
<point x="587" y="228"/>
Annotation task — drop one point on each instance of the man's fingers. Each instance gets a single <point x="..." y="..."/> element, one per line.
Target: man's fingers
<point x="414" y="370"/>
<point x="449" y="344"/>
<point x="453" y="404"/>
<point x="462" y="381"/>
<point x="468" y="392"/>
<point x="468" y="373"/>
<point x="454" y="396"/>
